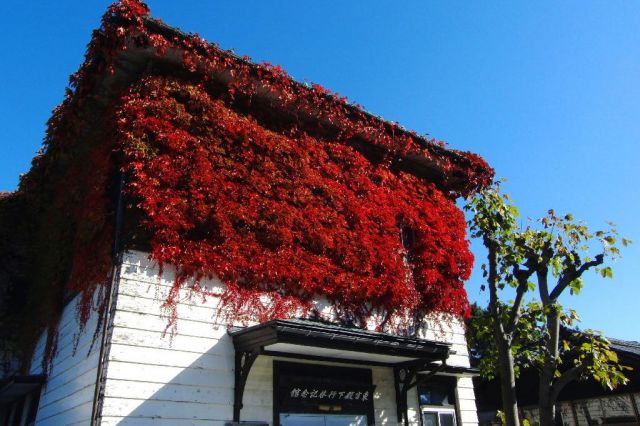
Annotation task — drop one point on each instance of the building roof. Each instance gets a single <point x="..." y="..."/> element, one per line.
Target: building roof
<point x="131" y="45"/>
<point x="428" y="164"/>
<point x="627" y="346"/>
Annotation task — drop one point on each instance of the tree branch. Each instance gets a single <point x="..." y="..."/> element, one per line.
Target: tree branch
<point x="541" y="274"/>
<point x="565" y="378"/>
<point x="492" y="277"/>
<point x="570" y="276"/>
<point x="494" y="306"/>
<point x="514" y="315"/>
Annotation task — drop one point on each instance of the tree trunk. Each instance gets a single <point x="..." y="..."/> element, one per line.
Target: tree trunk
<point x="546" y="394"/>
<point x="507" y="378"/>
<point x="547" y="410"/>
<point x="502" y="339"/>
<point x="546" y="406"/>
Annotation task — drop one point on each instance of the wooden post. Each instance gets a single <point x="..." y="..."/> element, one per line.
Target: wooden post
<point x="575" y="413"/>
<point x="243" y="363"/>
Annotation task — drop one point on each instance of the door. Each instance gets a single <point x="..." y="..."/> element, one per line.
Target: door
<point x="321" y="395"/>
<point x="322" y="420"/>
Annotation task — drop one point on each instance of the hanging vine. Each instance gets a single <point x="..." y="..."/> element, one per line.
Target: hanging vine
<point x="238" y="172"/>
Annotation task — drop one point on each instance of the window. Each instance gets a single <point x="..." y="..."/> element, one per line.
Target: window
<point x="438" y="417"/>
<point x="438" y="401"/>
<point x="22" y="410"/>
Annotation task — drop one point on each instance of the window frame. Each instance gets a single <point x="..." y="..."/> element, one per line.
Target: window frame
<point x="433" y="409"/>
<point x="450" y="408"/>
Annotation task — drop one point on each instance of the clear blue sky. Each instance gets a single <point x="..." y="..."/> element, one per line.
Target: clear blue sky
<point x="548" y="92"/>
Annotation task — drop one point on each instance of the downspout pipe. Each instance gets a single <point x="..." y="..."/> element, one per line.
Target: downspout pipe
<point x="111" y="291"/>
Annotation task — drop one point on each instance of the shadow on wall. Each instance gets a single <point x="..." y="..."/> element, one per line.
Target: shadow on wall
<point x="153" y="378"/>
<point x="174" y="386"/>
<point x="187" y="379"/>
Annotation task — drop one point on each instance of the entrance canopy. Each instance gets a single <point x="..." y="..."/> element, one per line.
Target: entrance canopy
<point x="320" y="341"/>
<point x="305" y="339"/>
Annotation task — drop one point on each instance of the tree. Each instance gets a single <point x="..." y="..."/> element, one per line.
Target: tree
<point x="550" y="255"/>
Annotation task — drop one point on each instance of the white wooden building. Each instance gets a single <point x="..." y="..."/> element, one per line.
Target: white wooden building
<point x="125" y="368"/>
<point x="188" y="379"/>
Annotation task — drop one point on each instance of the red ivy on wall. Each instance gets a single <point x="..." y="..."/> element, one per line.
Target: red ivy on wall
<point x="228" y="188"/>
<point x="290" y="217"/>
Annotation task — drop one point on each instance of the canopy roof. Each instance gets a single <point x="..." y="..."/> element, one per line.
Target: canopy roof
<point x="312" y="339"/>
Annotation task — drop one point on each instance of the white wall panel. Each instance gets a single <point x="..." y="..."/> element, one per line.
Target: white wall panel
<point x="154" y="377"/>
<point x="67" y="397"/>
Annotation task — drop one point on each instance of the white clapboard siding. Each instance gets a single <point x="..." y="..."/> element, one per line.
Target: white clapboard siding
<point x="384" y="400"/>
<point x="143" y="370"/>
<point x="184" y="376"/>
<point x="67" y="397"/>
<point x="171" y="357"/>
<point x="70" y="390"/>
<point x="130" y="389"/>
<point x="157" y="376"/>
<point x="413" y="407"/>
<point x="132" y="421"/>
<point x="444" y="328"/>
<point x="77" y="415"/>
<point x="135" y="337"/>
<point x="129" y="303"/>
<point x="159" y="293"/>
<point x="466" y="401"/>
